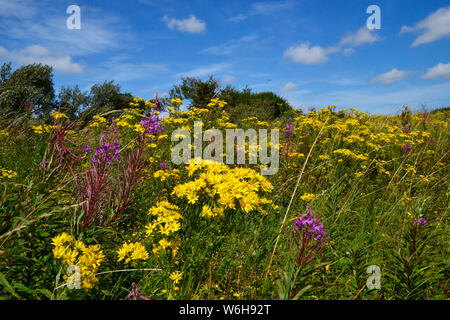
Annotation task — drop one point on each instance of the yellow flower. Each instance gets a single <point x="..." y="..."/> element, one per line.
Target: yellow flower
<point x="150" y="228"/>
<point x="59" y="252"/>
<point x="61" y="239"/>
<point x="176" y="102"/>
<point x="58" y="115"/>
<point x="206" y="211"/>
<point x="192" y="197"/>
<point x="173" y="226"/>
<point x="137" y="250"/>
<point x="164" y="243"/>
<point x="88" y="261"/>
<point x="176" y="276"/>
<point x="307" y="197"/>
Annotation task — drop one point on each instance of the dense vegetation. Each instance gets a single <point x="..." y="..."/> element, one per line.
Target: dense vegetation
<point x="87" y="180"/>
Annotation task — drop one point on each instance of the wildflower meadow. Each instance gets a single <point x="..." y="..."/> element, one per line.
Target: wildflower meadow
<point x="181" y="153"/>
<point x="358" y="208"/>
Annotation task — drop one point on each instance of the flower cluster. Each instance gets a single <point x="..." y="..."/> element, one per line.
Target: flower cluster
<point x="139" y="102"/>
<point x="152" y="125"/>
<point x="308" y="224"/>
<point x="59" y="115"/>
<point x="418" y="222"/>
<point x="216" y="102"/>
<point x="307" y="197"/>
<point x="126" y="121"/>
<point x="132" y="251"/>
<point x="98" y="120"/>
<point x="351" y="154"/>
<point x="289" y="130"/>
<point x="5" y="173"/>
<point x="76" y="253"/>
<point x="308" y="235"/>
<point x="42" y="128"/>
<point x="176" y="102"/>
<point x="166" y="173"/>
<point x="107" y="151"/>
<point x="224" y="187"/>
<point x="166" y="222"/>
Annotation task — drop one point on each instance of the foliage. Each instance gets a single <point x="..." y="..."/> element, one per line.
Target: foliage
<point x="26" y="91"/>
<point x="107" y="198"/>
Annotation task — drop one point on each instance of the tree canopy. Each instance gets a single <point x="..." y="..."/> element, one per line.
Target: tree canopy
<point x="240" y="103"/>
<point x="29" y="92"/>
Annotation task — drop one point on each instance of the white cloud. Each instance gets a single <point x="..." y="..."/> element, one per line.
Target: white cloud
<point x="392" y="76"/>
<point x="190" y="25"/>
<point x="36" y="53"/>
<point x="94" y="36"/>
<point x="118" y="68"/>
<point x="305" y="54"/>
<point x="270" y="7"/>
<point x="228" y="79"/>
<point x="18" y="9"/>
<point x="432" y="28"/>
<point x="348" y="51"/>
<point x="229" y="46"/>
<point x="238" y="18"/>
<point x="204" y="71"/>
<point x="440" y="70"/>
<point x="363" y="35"/>
<point x="262" y="8"/>
<point x="290" y="86"/>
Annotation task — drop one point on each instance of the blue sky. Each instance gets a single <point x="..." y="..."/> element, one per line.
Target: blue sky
<point x="314" y="53"/>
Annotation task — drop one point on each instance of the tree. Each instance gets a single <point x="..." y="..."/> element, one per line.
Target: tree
<point x="26" y="91"/>
<point x="72" y="101"/>
<point x="5" y="72"/>
<point x="240" y="103"/>
<point x="103" y="98"/>
<point x="197" y="91"/>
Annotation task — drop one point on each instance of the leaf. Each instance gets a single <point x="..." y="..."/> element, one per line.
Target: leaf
<point x="7" y="286"/>
<point x="45" y="292"/>
<point x="301" y="292"/>
<point x="21" y="287"/>
<point x="281" y="290"/>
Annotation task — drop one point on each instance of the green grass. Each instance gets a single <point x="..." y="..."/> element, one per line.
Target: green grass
<point x="367" y="217"/>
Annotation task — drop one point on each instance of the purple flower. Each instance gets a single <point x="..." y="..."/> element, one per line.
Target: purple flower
<point x="406" y="148"/>
<point x="152" y="125"/>
<point x="86" y="148"/>
<point x="418" y="222"/>
<point x="163" y="165"/>
<point x="432" y="140"/>
<point x="309" y="224"/>
<point x="106" y="151"/>
<point x="406" y="128"/>
<point x="289" y="131"/>
<point x="116" y="148"/>
<point x="136" y="293"/>
<point x="306" y="238"/>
